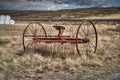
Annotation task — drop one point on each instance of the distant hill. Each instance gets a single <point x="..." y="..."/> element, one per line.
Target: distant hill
<point x="60" y="14"/>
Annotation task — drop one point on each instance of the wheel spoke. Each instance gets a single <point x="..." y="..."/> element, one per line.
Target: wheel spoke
<point x="29" y="28"/>
<point x="92" y="47"/>
<point x="88" y="32"/>
<point x="89" y="48"/>
<point x="81" y="35"/>
<point x="29" y="45"/>
<point x="83" y="49"/>
<point x="83" y="30"/>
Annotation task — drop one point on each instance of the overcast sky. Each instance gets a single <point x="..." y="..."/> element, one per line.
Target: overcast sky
<point x="55" y="4"/>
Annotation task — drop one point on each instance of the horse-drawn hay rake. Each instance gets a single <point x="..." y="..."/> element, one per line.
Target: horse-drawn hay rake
<point x="85" y="37"/>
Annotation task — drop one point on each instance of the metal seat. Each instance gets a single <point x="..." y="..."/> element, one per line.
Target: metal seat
<point x="58" y="27"/>
<point x="61" y="30"/>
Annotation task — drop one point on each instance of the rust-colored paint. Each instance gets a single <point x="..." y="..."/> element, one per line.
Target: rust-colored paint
<point x="36" y="38"/>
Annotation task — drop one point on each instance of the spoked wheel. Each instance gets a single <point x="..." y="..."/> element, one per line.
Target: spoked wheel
<point x="88" y="34"/>
<point x="31" y="34"/>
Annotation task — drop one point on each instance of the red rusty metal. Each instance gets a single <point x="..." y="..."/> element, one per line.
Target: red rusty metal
<point x="86" y="37"/>
<point x="60" y="29"/>
<point x="58" y="40"/>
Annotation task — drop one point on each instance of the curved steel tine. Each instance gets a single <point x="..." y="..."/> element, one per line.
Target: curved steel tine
<point x="71" y="32"/>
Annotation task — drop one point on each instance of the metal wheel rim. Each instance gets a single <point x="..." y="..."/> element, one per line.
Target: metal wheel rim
<point x="96" y="36"/>
<point x="23" y="38"/>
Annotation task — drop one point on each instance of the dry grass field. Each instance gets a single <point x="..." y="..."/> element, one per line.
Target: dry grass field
<point x="108" y="13"/>
<point x="15" y="64"/>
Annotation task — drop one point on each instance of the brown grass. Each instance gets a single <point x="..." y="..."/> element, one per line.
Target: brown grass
<point x="14" y="60"/>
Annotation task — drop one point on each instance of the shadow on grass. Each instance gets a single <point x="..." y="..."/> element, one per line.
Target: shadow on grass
<point x="43" y="51"/>
<point x="3" y="42"/>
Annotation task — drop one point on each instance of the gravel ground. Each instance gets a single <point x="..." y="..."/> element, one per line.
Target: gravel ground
<point x="112" y="75"/>
<point x="61" y="75"/>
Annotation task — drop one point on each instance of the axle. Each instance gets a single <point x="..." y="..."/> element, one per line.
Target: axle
<point x="59" y="40"/>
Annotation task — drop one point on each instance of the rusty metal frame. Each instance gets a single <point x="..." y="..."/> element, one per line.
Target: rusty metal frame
<point x="60" y="38"/>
